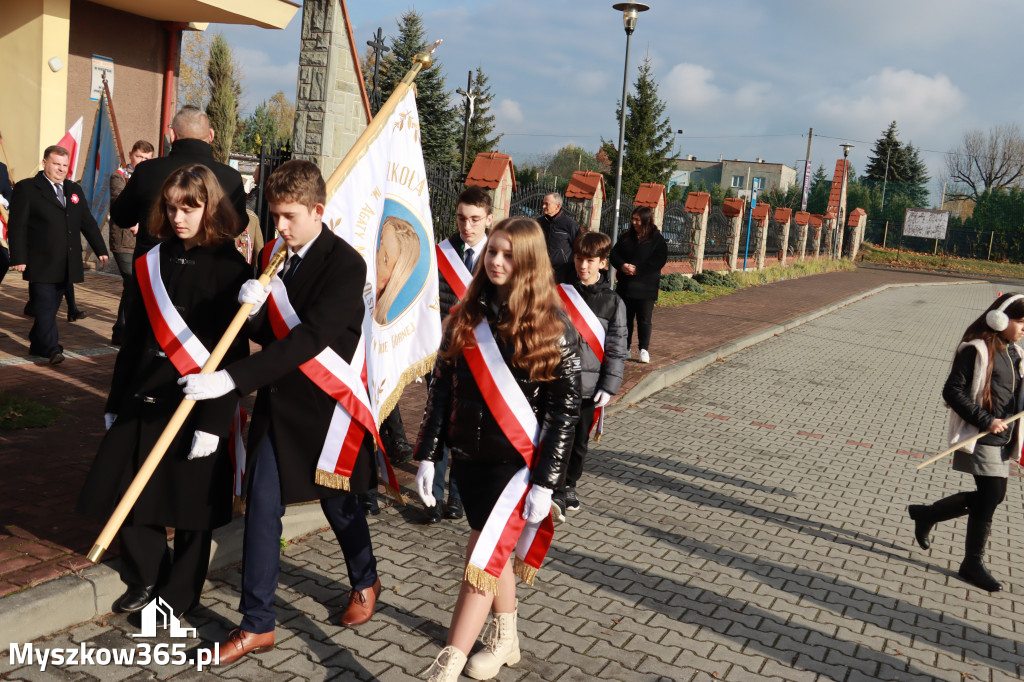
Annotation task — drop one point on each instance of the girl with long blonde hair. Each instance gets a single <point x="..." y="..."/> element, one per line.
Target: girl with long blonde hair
<point x="513" y="291"/>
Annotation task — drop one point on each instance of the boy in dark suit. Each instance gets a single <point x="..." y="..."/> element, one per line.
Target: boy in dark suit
<point x="49" y="216"/>
<point x="323" y="278"/>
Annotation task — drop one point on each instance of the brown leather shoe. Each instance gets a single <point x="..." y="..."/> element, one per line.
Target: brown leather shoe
<point x="240" y="643"/>
<point x="360" y="605"/>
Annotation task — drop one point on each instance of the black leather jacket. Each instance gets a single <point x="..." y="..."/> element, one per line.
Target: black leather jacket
<point x="457" y="415"/>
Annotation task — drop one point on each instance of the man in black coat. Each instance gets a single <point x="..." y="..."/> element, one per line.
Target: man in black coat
<point x="560" y="231"/>
<point x="191" y="136"/>
<point x="49" y="216"/>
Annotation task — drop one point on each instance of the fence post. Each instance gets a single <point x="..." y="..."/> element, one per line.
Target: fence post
<point x="885" y="235"/>
<point x="991" y="236"/>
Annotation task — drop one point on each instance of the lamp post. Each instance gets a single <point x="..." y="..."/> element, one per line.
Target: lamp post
<point x="630" y="12"/>
<point x="842" y="199"/>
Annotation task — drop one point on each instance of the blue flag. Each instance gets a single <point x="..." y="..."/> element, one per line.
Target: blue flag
<point x="100" y="164"/>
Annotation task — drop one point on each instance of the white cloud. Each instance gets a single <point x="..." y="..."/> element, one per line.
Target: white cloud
<point x="689" y="87"/>
<point x="263" y="76"/>
<point x="508" y="111"/>
<point x="918" y="102"/>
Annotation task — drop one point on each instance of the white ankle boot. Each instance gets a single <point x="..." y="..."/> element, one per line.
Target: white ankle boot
<point x="501" y="647"/>
<point x="447" y="666"/>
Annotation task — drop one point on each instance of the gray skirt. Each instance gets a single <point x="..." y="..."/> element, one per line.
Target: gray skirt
<point x="986" y="460"/>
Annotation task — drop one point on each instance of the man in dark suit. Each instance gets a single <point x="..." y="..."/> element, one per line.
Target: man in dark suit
<point x="191" y="136"/>
<point x="49" y="216"/>
<point x="323" y="280"/>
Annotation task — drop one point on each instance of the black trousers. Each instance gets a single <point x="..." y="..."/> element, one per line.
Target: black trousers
<point x="126" y="265"/>
<point x="990" y="494"/>
<point x="580" y="443"/>
<point x="642" y="311"/>
<point x="179" y="575"/>
<point x="5" y="262"/>
<point x="46" y="298"/>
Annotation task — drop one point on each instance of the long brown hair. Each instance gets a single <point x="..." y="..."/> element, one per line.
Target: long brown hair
<point x="647" y="228"/>
<point x="195" y="186"/>
<point x="530" y="323"/>
<point x="993" y="340"/>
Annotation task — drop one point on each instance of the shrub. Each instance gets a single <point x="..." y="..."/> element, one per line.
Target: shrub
<point x="676" y="282"/>
<point x="710" y="278"/>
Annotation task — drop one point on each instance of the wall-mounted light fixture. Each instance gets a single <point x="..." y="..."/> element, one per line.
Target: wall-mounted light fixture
<point x="55" y="64"/>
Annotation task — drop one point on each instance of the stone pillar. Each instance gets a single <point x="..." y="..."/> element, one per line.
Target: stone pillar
<point x="698" y="204"/>
<point x="783" y="216"/>
<point x="858" y="221"/>
<point x="330" y="110"/>
<point x="733" y="210"/>
<point x="827" y="229"/>
<point x="760" y="234"/>
<point x="586" y="194"/>
<point x="801" y="218"/>
<point x="816" y="221"/>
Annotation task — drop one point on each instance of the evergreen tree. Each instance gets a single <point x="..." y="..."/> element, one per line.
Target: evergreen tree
<point x="817" y="199"/>
<point x="259" y="129"/>
<point x="899" y="168"/>
<point x="481" y="126"/>
<point x="648" y="137"/>
<point x="225" y="91"/>
<point x="439" y="130"/>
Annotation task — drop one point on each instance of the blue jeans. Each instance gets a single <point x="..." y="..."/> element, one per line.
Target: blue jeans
<point x="439" y="471"/>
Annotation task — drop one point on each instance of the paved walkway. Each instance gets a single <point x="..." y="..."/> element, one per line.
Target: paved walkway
<point x="725" y="538"/>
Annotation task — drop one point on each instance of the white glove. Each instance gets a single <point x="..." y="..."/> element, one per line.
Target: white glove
<point x="203" y="444"/>
<point x="108" y="419"/>
<point x="601" y="398"/>
<point x="207" y="386"/>
<point x="253" y="292"/>
<point x="537" y="504"/>
<point x="425" y="483"/>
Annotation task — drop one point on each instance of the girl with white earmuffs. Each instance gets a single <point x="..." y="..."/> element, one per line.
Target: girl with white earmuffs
<point x="983" y="390"/>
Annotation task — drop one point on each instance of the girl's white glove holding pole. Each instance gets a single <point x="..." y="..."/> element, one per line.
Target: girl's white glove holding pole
<point x="425" y="483"/>
<point x="537" y="504"/>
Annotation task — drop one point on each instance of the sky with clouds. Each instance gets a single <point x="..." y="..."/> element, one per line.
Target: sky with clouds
<point x="742" y="78"/>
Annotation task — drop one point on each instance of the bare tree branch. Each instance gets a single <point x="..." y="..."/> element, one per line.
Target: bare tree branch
<point x="986" y="161"/>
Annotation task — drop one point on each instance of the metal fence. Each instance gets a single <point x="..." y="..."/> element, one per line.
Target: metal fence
<point x="445" y="184"/>
<point x="269" y="159"/>
<point x="719" y="231"/>
<point x="960" y="241"/>
<point x="677" y="229"/>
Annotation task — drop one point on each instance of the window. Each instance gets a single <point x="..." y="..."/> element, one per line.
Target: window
<point x="760" y="184"/>
<point x="737" y="181"/>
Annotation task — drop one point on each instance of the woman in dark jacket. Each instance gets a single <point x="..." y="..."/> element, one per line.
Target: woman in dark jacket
<point x="510" y="333"/>
<point x="189" y="284"/>
<point x="638" y="258"/>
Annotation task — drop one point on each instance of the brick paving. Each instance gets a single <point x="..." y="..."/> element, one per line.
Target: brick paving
<point x="725" y="541"/>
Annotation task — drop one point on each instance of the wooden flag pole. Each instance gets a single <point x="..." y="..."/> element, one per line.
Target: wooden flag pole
<point x="177" y="420"/>
<point x="113" y="121"/>
<point x="947" y="453"/>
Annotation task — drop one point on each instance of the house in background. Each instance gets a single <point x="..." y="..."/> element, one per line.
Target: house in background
<point x="737" y="175"/>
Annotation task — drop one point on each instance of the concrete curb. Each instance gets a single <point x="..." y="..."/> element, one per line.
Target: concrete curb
<point x="59" y="604"/>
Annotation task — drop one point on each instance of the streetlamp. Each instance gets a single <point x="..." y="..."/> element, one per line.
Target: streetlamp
<point x="842" y="199"/>
<point x="630" y="12"/>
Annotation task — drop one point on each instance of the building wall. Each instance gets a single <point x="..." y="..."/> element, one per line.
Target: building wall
<point x="722" y="173"/>
<point x="138" y="72"/>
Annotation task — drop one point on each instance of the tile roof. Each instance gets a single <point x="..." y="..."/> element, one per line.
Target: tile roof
<point x="585" y="185"/>
<point x="782" y="215"/>
<point x="733" y="207"/>
<point x="855" y="216"/>
<point x="487" y="169"/>
<point x="761" y="212"/>
<point x="802" y="217"/>
<point x="697" y="202"/>
<point x="816" y="220"/>
<point x="650" y="194"/>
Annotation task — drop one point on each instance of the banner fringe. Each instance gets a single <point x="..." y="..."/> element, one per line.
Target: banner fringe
<point x="409" y="375"/>
<point x="395" y="495"/>
<point x="481" y="579"/>
<point x="525" y="571"/>
<point x="329" y="479"/>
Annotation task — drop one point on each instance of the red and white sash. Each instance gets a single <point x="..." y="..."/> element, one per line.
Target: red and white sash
<point x="344" y="382"/>
<point x="183" y="348"/>
<point x="452" y="268"/>
<point x="590" y="328"/>
<point x="505" y="529"/>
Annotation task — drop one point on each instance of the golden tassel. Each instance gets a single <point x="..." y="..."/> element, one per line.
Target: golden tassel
<point x="407" y="377"/>
<point x="329" y="479"/>
<point x="597" y="438"/>
<point x="481" y="579"/>
<point x="394" y="494"/>
<point x="525" y="571"/>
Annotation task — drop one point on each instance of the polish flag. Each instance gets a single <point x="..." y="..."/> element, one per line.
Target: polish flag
<point x="72" y="141"/>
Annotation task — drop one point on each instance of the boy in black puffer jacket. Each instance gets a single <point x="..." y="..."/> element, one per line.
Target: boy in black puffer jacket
<point x="600" y="316"/>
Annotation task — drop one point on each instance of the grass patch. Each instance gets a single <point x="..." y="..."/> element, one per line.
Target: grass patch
<point x="926" y="261"/>
<point x="21" y="413"/>
<point x="772" y="273"/>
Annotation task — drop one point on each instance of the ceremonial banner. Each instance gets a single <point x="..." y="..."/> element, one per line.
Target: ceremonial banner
<point x="100" y="163"/>
<point x="382" y="208"/>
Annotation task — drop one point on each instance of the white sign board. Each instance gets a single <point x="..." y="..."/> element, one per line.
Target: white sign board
<point x="921" y="222"/>
<point x="101" y="66"/>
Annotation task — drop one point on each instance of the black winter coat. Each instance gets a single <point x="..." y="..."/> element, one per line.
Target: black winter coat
<point x="648" y="256"/>
<point x="46" y="236"/>
<point x="611" y="311"/>
<point x="560" y="232"/>
<point x="143" y="189"/>
<point x="1005" y="401"/>
<point x="203" y="285"/>
<point x="456" y="414"/>
<point x="326" y="293"/>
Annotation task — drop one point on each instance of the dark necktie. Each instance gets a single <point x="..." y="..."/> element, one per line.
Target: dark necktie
<point x="60" y="194"/>
<point x="293" y="264"/>
<point x="468" y="259"/>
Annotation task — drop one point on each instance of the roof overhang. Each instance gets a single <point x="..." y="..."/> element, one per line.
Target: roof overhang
<point x="262" y="13"/>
